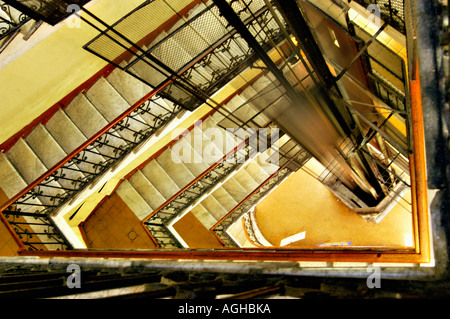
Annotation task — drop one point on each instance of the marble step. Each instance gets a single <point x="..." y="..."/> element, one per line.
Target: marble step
<point x="150" y="74"/>
<point x="90" y="121"/>
<point x="69" y="137"/>
<point x="224" y="198"/>
<point x="50" y="153"/>
<point x="134" y="200"/>
<point x="25" y="161"/>
<point x="107" y="100"/>
<point x="160" y="179"/>
<point x="256" y="172"/>
<point x="222" y="139"/>
<point x="111" y="105"/>
<point x="147" y="190"/>
<point x="129" y="87"/>
<point x="45" y="146"/>
<point x="235" y="189"/>
<point x="207" y="150"/>
<point x="177" y="171"/>
<point x="186" y="154"/>
<point x="30" y="167"/>
<point x="65" y="132"/>
<point x="11" y="182"/>
<point x="214" y="208"/>
<point x="233" y="104"/>
<point x="203" y="216"/>
<point x="85" y="116"/>
<point x="246" y="180"/>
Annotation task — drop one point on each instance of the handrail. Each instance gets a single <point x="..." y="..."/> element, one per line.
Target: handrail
<point x="72" y="154"/>
<point x="189" y="185"/>
<point x="212" y="229"/>
<point x="104" y="72"/>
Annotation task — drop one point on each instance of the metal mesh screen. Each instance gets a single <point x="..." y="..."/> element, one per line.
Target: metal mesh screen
<point x="50" y="11"/>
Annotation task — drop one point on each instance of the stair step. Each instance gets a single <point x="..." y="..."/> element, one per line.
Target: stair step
<point x="149" y="74"/>
<point x="69" y="137"/>
<point x="26" y="162"/>
<point x="268" y="161"/>
<point x="234" y="103"/>
<point x="85" y="116"/>
<point x="45" y="146"/>
<point x="208" y="150"/>
<point x="177" y="171"/>
<point x="147" y="190"/>
<point x="186" y="154"/>
<point x="247" y="182"/>
<point x="256" y="172"/>
<point x="11" y="182"/>
<point x="211" y="204"/>
<point x="107" y="100"/>
<point x="223" y="140"/>
<point x="131" y="89"/>
<point x="90" y="121"/>
<point x="203" y="216"/>
<point x="224" y="198"/>
<point x="65" y="132"/>
<point x="134" y="200"/>
<point x="160" y="179"/>
<point x="235" y="189"/>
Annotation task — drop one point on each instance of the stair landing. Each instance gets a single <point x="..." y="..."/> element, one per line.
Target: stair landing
<point x="113" y="225"/>
<point x="8" y="246"/>
<point x="195" y="234"/>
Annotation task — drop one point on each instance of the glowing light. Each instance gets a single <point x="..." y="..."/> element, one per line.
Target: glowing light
<point x="293" y="238"/>
<point x="294" y="40"/>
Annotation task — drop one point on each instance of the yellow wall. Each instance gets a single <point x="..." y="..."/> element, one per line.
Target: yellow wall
<point x="53" y="68"/>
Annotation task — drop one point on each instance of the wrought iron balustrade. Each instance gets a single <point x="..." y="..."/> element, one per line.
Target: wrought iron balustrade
<point x="193" y="61"/>
<point x="159" y="220"/>
<point x="220" y="229"/>
<point x="11" y="21"/>
<point x="49" y="11"/>
<point x="99" y="153"/>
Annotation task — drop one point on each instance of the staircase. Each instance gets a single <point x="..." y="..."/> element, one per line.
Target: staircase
<point x="104" y="123"/>
<point x="70" y="143"/>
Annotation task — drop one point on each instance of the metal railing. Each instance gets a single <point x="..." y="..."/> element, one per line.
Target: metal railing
<point x="29" y="213"/>
<point x="221" y="227"/>
<point x="218" y="62"/>
<point x="11" y="22"/>
<point x="196" y="71"/>
<point x="158" y="221"/>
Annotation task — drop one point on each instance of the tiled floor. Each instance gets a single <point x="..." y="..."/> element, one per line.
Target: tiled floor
<point x="307" y="205"/>
<point x="195" y="234"/>
<point x="114" y="226"/>
<point x="8" y="246"/>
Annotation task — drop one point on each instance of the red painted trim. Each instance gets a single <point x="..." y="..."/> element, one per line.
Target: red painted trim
<point x="63" y="103"/>
<point x="85" y="86"/>
<point x="285" y="254"/>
